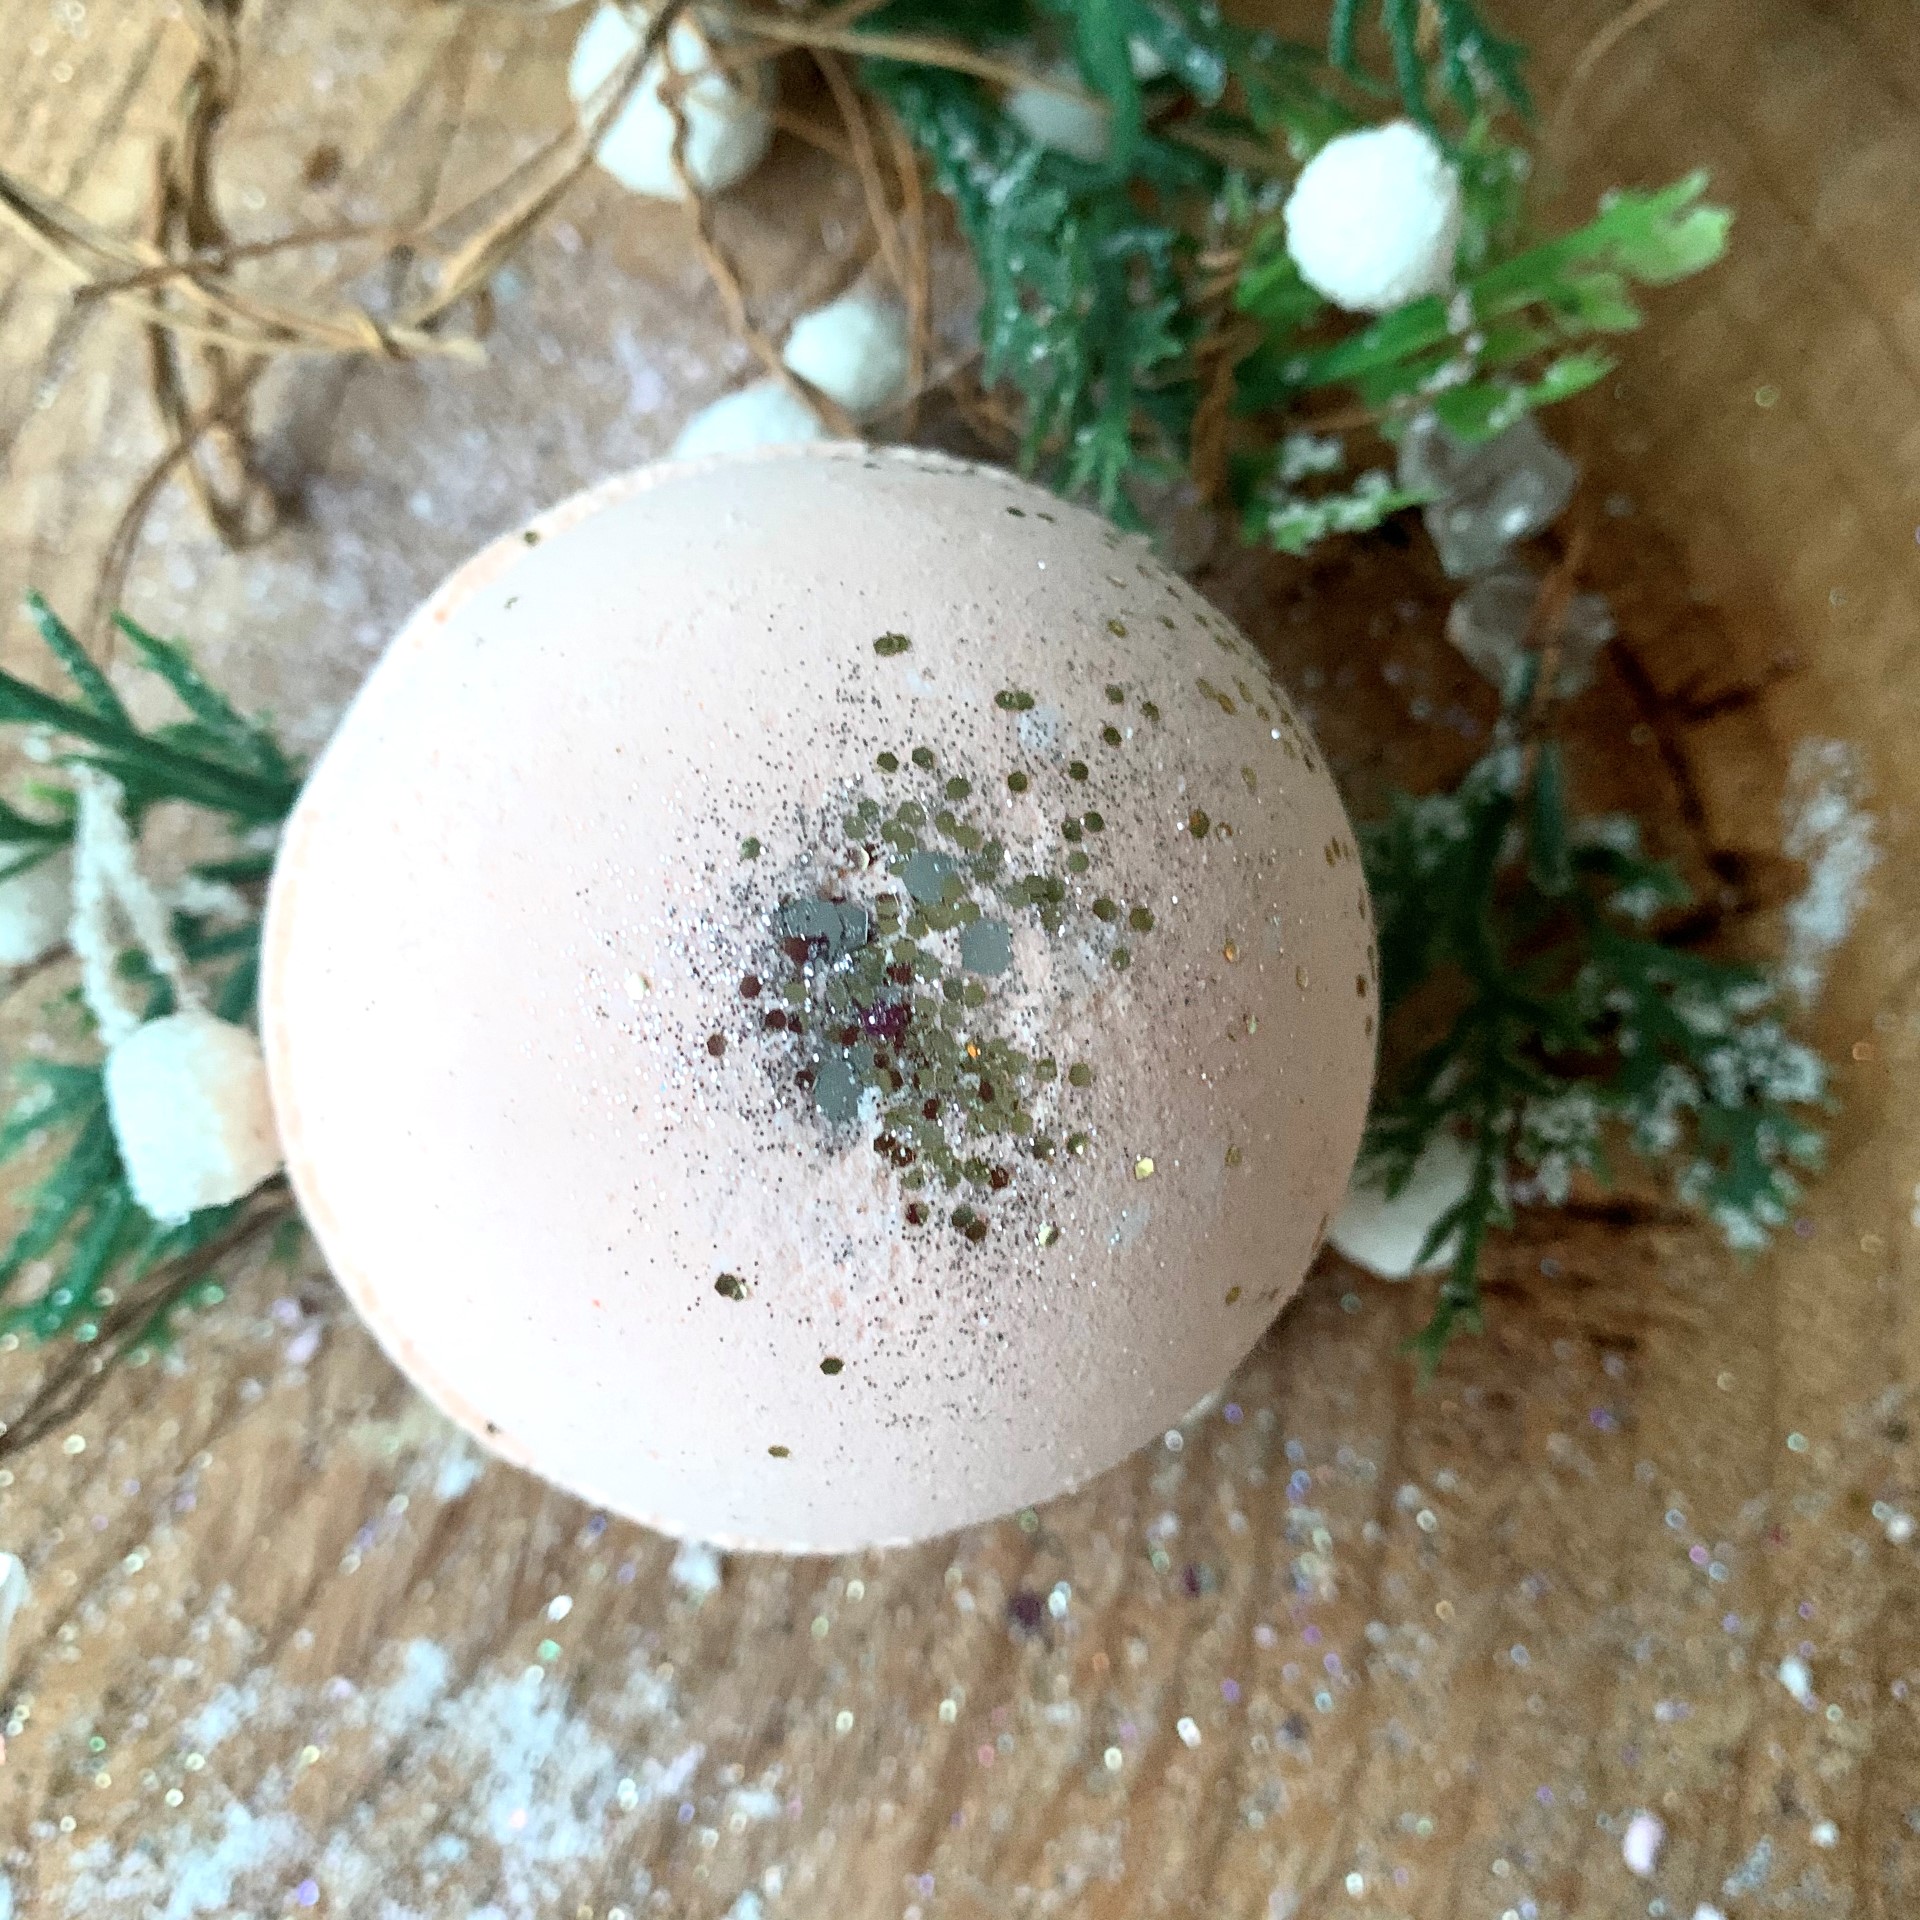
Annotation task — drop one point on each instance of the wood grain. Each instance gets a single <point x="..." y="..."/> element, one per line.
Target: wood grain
<point x="1342" y="1646"/>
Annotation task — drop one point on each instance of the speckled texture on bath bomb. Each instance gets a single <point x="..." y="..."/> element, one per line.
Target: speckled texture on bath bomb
<point x="818" y="997"/>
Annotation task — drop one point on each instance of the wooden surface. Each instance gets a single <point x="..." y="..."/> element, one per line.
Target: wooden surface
<point x="1344" y="1646"/>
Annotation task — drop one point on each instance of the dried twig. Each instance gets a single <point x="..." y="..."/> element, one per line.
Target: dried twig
<point x="726" y="276"/>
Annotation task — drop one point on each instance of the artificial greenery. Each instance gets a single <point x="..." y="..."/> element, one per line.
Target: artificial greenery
<point x="86" y="1261"/>
<point x="1143" y="308"/>
<point x="1535" y="1013"/>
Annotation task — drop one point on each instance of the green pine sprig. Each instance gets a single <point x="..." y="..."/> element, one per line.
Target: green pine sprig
<point x="84" y="1260"/>
<point x="1477" y="68"/>
<point x="1101" y="312"/>
<point x="1520" y="946"/>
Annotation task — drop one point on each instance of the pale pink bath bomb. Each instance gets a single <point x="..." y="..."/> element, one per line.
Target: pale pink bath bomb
<point x="818" y="997"/>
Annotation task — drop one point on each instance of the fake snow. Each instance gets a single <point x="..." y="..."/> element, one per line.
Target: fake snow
<point x="696" y="1569"/>
<point x="1828" y="828"/>
<point x="540" y="1793"/>
<point x="1798" y="1680"/>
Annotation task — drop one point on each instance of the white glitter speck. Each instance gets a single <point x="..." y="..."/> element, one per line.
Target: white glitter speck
<point x="1641" y="1843"/>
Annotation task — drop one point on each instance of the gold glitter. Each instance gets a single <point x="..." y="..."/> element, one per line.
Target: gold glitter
<point x="1230" y="953"/>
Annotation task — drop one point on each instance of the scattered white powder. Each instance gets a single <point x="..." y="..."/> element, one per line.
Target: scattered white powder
<point x="459" y="1471"/>
<point x="1798" y="1680"/>
<point x="1828" y="828"/>
<point x="753" y="1804"/>
<point x="1751" y="1874"/>
<point x="411" y="1695"/>
<point x="695" y="1569"/>
<point x="226" y="1711"/>
<point x="527" y="1786"/>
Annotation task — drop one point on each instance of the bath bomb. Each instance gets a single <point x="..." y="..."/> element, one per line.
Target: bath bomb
<point x="818" y="996"/>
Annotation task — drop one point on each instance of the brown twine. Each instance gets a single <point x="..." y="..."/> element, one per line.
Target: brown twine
<point x="206" y="330"/>
<point x="209" y="334"/>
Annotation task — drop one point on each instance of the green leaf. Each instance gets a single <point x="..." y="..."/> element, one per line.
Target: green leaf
<point x="115" y="1222"/>
<point x="17" y="829"/>
<point x="35" y="856"/>
<point x="238" y="997"/>
<point x="1563" y="1021"/>
<point x="1474" y="61"/>
<point x="980" y="22"/>
<point x="1194" y="44"/>
<point x="1082" y="310"/>
<point x="1101" y="31"/>
<point x="1549" y="862"/>
<point x="1343" y="27"/>
<point x="1661" y="237"/>
<point x="54" y="1094"/>
<point x="1470" y="49"/>
<point x="91" y="1166"/>
<point x="96" y="695"/>
<point x="226" y="731"/>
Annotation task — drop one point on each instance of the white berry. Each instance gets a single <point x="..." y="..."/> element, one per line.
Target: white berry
<point x="35" y="907"/>
<point x="762" y="415"/>
<point x="1067" y="121"/>
<point x="1385" y="1236"/>
<point x="187" y="1096"/>
<point x="854" y="350"/>
<point x="728" y="126"/>
<point x="1374" y="219"/>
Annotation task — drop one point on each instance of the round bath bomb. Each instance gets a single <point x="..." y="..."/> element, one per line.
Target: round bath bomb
<point x="818" y="996"/>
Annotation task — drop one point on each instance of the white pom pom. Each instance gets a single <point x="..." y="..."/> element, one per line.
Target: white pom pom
<point x="187" y="1096"/>
<point x="35" y="907"/>
<point x="728" y="126"/>
<point x="762" y="415"/>
<point x="1385" y="1236"/>
<point x="1374" y="219"/>
<point x="1069" y="124"/>
<point x="854" y="350"/>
